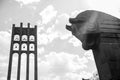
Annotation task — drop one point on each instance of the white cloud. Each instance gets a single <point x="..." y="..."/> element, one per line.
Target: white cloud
<point x="56" y="66"/>
<point x="3" y="64"/>
<point x="3" y="58"/>
<point x="8" y="20"/>
<point x="75" y="13"/>
<point x="48" y="34"/>
<point x="5" y="37"/>
<point x="60" y="23"/>
<point x="39" y="22"/>
<point x="50" y="29"/>
<point x="44" y="68"/>
<point x="73" y="76"/>
<point x="50" y="78"/>
<point x="109" y="6"/>
<point x="39" y="29"/>
<point x="62" y="63"/>
<point x="52" y="36"/>
<point x="4" y="42"/>
<point x="44" y="39"/>
<point x="59" y="34"/>
<point x="48" y="14"/>
<point x="65" y="15"/>
<point x="95" y="76"/>
<point x="62" y="19"/>
<point x="3" y="78"/>
<point x="89" y="55"/>
<point x="4" y="49"/>
<point x="66" y="36"/>
<point x="41" y="50"/>
<point x="25" y="2"/>
<point x="47" y="37"/>
<point x="75" y="42"/>
<point x="85" y="74"/>
<point x="77" y="76"/>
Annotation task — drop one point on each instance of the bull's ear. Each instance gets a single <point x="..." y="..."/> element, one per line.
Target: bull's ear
<point x="91" y="41"/>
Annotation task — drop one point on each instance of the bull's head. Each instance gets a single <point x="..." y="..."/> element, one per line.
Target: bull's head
<point x="85" y="30"/>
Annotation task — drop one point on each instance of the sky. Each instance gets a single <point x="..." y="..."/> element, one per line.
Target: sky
<point x="60" y="54"/>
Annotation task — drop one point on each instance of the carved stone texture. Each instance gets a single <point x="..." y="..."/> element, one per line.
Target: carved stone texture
<point x="101" y="33"/>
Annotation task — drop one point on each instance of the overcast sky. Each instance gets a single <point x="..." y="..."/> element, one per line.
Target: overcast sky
<point x="60" y="55"/>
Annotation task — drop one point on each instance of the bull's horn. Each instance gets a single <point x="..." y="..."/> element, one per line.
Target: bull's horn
<point x="74" y="20"/>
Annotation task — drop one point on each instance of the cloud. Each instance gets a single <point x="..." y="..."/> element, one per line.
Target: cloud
<point x="44" y="39"/>
<point x="4" y="42"/>
<point x="69" y="6"/>
<point x="5" y="36"/>
<point x="95" y="76"/>
<point x="64" y="37"/>
<point x="89" y="55"/>
<point x="59" y="26"/>
<point x="48" y="14"/>
<point x="61" y="21"/>
<point x="3" y="78"/>
<point x="25" y="2"/>
<point x="73" y="76"/>
<point x="75" y="13"/>
<point x="61" y="63"/>
<point x="78" y="76"/>
<point x="44" y="69"/>
<point x="59" y="34"/>
<point x="109" y="6"/>
<point x="50" y="78"/>
<point x="75" y="42"/>
<point x="3" y="69"/>
<point x="68" y="76"/>
<point x="85" y="74"/>
<point x="47" y="34"/>
<point x="41" y="50"/>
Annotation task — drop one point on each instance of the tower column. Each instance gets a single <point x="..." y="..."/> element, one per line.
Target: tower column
<point x="11" y="53"/>
<point x="19" y="67"/>
<point x="35" y="66"/>
<point x="27" y="68"/>
<point x="9" y="68"/>
<point x="35" y="54"/>
<point x="27" y="65"/>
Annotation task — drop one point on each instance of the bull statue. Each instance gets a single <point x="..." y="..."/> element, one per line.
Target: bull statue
<point x="101" y="33"/>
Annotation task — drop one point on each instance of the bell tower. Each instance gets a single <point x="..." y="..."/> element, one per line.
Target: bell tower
<point x="23" y="40"/>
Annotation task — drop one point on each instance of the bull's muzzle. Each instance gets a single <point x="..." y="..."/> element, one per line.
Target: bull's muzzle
<point x="72" y="21"/>
<point x="68" y="27"/>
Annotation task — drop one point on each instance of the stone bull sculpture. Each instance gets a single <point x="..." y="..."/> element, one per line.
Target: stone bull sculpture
<point x="101" y="33"/>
